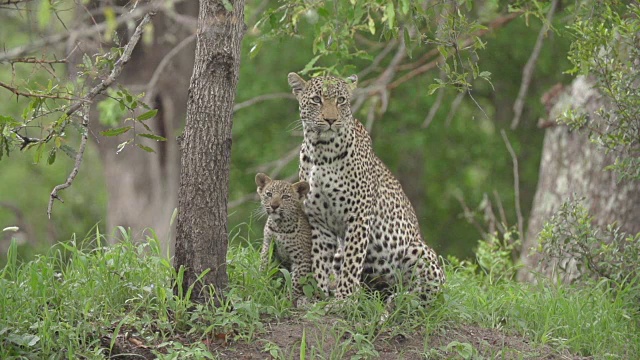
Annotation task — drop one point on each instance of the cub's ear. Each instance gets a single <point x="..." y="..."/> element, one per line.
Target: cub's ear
<point x="262" y="180"/>
<point x="301" y="188"/>
<point x="352" y="83"/>
<point x="297" y="83"/>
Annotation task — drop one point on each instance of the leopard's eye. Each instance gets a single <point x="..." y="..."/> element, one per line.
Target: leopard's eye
<point x="341" y="100"/>
<point x="286" y="197"/>
<point x="269" y="194"/>
<point x="316" y="99"/>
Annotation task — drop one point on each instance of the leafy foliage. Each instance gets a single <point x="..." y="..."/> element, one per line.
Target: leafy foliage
<point x="605" y="46"/>
<point x="607" y="254"/>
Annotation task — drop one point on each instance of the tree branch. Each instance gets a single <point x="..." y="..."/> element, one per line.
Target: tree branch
<point x="85" y="101"/>
<point x="529" y="67"/>
<point x="261" y="98"/>
<point x="163" y="64"/>
<point x="516" y="182"/>
<point x="18" y="92"/>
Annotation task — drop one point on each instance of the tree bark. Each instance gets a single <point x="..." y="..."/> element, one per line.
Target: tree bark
<point x="573" y="167"/>
<point x="201" y="238"/>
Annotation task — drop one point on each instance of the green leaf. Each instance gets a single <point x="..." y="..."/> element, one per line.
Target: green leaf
<point x="116" y="132"/>
<point x="44" y="13"/>
<point x="310" y="65"/>
<point x="38" y="154"/>
<point x="372" y="26"/>
<point x="227" y="5"/>
<point x="407" y="42"/>
<point x="52" y="156"/>
<point x="23" y="340"/>
<point x="390" y="14"/>
<point x="69" y="151"/>
<point x="153" y="137"/>
<point x="148" y="115"/>
<point x="145" y="148"/>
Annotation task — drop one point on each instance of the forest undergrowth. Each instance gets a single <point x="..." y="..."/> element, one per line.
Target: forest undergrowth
<point x="86" y="300"/>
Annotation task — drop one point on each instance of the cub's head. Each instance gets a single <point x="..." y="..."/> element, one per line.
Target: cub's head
<point x="280" y="198"/>
<point x="325" y="101"/>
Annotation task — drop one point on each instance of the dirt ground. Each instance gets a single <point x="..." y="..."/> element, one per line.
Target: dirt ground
<point x="325" y="340"/>
<point x="454" y="343"/>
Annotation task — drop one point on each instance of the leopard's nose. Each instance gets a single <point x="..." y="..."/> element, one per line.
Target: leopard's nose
<point x="275" y="206"/>
<point x="330" y="121"/>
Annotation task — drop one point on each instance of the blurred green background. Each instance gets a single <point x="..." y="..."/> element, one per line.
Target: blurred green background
<point x="463" y="157"/>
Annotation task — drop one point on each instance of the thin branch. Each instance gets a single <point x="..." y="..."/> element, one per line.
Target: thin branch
<point x="455" y="105"/>
<point x="33" y="60"/>
<point x="85" y="101"/>
<point x="18" y="92"/>
<point x="436" y="105"/>
<point x="163" y="64"/>
<point x="516" y="182"/>
<point x="376" y="62"/>
<point x="76" y="166"/>
<point x="261" y="98"/>
<point x="529" y="67"/>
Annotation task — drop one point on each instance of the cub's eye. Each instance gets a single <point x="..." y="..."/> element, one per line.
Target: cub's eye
<point x="286" y="197"/>
<point x="341" y="100"/>
<point x="316" y="99"/>
<point x="269" y="194"/>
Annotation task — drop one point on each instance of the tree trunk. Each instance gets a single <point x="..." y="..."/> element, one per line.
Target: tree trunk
<point x="573" y="167"/>
<point x="143" y="187"/>
<point x="201" y="238"/>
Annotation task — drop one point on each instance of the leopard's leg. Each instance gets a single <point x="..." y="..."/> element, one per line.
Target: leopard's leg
<point x="423" y="273"/>
<point x="356" y="241"/>
<point x="323" y="244"/>
<point x="298" y="271"/>
<point x="264" y="254"/>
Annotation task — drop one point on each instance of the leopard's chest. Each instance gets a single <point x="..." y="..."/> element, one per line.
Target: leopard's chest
<point x="332" y="188"/>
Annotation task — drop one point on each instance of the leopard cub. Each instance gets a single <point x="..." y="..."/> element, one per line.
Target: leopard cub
<point x="287" y="224"/>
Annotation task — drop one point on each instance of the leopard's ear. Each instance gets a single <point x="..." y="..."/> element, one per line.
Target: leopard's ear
<point x="352" y="83"/>
<point x="297" y="83"/>
<point x="262" y="180"/>
<point x="301" y="188"/>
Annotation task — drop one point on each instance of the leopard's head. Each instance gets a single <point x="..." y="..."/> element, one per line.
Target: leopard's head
<point x="279" y="198"/>
<point x="325" y="102"/>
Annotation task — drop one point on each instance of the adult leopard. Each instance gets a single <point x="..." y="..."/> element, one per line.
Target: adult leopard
<point x="354" y="197"/>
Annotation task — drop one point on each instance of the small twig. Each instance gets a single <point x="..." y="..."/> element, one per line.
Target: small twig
<point x="469" y="215"/>
<point x="85" y="101"/>
<point x="436" y="105"/>
<point x="503" y="216"/>
<point x="376" y="62"/>
<point x="455" y="105"/>
<point x="33" y="60"/>
<point x="516" y="182"/>
<point x="529" y="67"/>
<point x="261" y="98"/>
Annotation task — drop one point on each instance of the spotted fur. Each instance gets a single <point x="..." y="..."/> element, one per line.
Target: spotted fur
<point x="354" y="197"/>
<point x="287" y="225"/>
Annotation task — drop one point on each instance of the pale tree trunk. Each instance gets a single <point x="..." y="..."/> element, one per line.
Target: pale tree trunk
<point x="201" y="234"/>
<point x="142" y="187"/>
<point x="573" y="167"/>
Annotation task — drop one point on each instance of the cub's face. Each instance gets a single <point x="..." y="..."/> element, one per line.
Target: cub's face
<point x="325" y="102"/>
<point x="280" y="199"/>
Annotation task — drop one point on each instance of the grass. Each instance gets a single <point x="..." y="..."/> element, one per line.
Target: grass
<point x="86" y="300"/>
